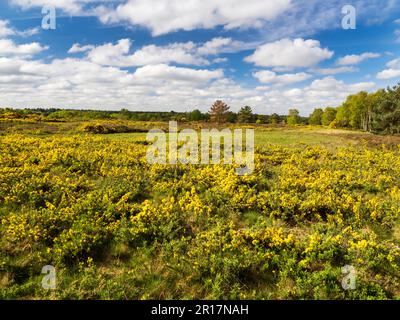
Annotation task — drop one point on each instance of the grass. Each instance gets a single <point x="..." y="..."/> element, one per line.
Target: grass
<point x="288" y="137"/>
<point x="264" y="134"/>
<point x="160" y="268"/>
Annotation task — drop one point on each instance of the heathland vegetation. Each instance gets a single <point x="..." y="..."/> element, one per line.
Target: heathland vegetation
<point x="116" y="227"/>
<point x="377" y="112"/>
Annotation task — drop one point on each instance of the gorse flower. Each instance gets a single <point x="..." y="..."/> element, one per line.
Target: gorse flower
<point x="79" y="201"/>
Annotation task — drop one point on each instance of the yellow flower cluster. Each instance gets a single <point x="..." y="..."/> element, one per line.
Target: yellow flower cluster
<point x="304" y="210"/>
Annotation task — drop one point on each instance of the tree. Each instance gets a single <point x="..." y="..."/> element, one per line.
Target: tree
<point x="293" y="117"/>
<point x="195" y="115"/>
<point x="231" y="117"/>
<point x="370" y="106"/>
<point x="219" y="111"/>
<point x="316" y="117"/>
<point x="274" y="118"/>
<point x="328" y="116"/>
<point x="262" y="118"/>
<point x="245" y="115"/>
<point x="125" y="114"/>
<point x="343" y="116"/>
<point x="387" y="112"/>
<point x="358" y="110"/>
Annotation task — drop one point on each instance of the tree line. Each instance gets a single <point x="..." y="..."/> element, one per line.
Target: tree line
<point x="377" y="112"/>
<point x="215" y="114"/>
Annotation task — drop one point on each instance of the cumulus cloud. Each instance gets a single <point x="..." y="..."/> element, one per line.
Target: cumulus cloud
<point x="273" y="19"/>
<point x="9" y="48"/>
<point x="332" y="71"/>
<point x="102" y="78"/>
<point x="6" y="30"/>
<point x="215" y="45"/>
<point x="323" y="92"/>
<point x="82" y="83"/>
<point x="171" y="73"/>
<point x="119" y="54"/>
<point x="388" y="74"/>
<point x="331" y="84"/>
<point x="77" y="48"/>
<point x="394" y="64"/>
<point x="356" y="58"/>
<point x="392" y="71"/>
<point x="224" y="45"/>
<point x="289" y="53"/>
<point x="70" y="6"/>
<point x="266" y="76"/>
<point x="220" y="60"/>
<point x="111" y="54"/>
<point x="181" y="53"/>
<point x="164" y="16"/>
<point x="187" y="53"/>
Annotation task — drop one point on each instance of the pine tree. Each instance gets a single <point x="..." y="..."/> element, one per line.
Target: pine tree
<point x="245" y="115"/>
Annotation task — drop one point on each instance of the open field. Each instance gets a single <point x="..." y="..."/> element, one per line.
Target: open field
<point x="116" y="227"/>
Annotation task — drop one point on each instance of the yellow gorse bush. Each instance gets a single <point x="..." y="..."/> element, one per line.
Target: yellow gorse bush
<point x="303" y="214"/>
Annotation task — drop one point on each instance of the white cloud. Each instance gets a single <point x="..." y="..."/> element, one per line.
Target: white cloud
<point x="9" y="48"/>
<point x="355" y="59"/>
<point x="224" y="45"/>
<point x="331" y="84"/>
<point x="332" y="71"/>
<point x="70" y="6"/>
<point x="220" y="60"/>
<point x="6" y="30"/>
<point x="98" y="81"/>
<point x="392" y="71"/>
<point x="28" y="32"/>
<point x="82" y="83"/>
<point x="171" y="73"/>
<point x="85" y="84"/>
<point x="187" y="53"/>
<point x="214" y="46"/>
<point x="289" y="53"/>
<point x="119" y="54"/>
<point x="320" y="93"/>
<point x="164" y="16"/>
<point x="110" y="54"/>
<point x="362" y="86"/>
<point x="266" y="76"/>
<point x="388" y="74"/>
<point x="76" y="48"/>
<point x="182" y="53"/>
<point x="394" y="64"/>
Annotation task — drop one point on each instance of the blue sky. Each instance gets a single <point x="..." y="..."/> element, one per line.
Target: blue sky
<point x="171" y="55"/>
